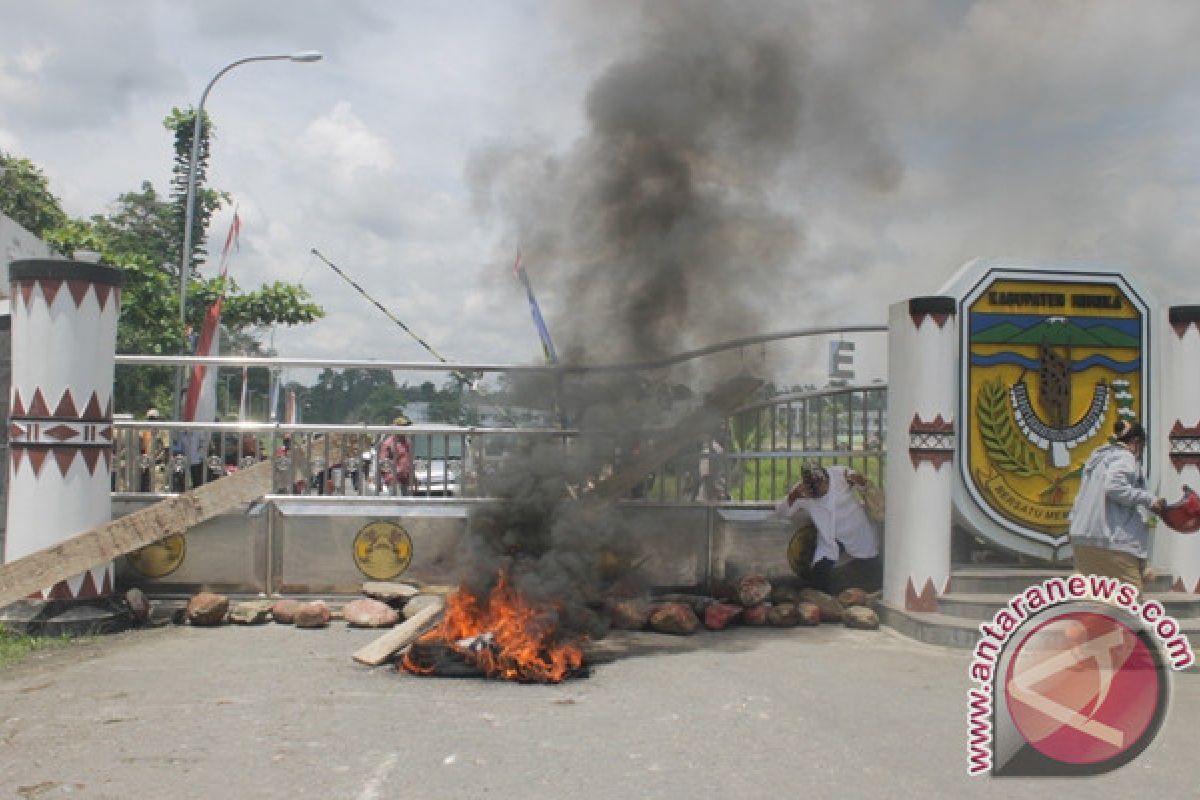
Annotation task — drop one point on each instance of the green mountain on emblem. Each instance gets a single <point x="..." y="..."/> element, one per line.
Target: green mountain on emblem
<point x="1055" y="331"/>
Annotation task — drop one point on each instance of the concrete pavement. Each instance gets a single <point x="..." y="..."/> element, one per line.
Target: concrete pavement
<point x="275" y="712"/>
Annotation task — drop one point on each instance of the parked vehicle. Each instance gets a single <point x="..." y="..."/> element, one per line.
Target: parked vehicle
<point x="438" y="463"/>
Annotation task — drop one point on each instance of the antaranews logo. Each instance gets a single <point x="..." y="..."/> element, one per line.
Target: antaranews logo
<point x="1073" y="679"/>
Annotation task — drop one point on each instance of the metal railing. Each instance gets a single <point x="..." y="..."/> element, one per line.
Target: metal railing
<point x="773" y="438"/>
<point x="756" y="459"/>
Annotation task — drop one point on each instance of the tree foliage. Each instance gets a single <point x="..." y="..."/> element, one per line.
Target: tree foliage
<point x="142" y="234"/>
<point x="25" y="196"/>
<point x="373" y="396"/>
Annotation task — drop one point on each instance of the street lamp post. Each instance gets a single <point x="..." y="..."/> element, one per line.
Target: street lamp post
<point x="185" y="260"/>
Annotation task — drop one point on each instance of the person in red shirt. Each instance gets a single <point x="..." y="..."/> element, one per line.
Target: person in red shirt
<point x="396" y="462"/>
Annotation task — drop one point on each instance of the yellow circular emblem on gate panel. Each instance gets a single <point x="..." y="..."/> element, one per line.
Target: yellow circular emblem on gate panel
<point x="800" y="549"/>
<point x="160" y="559"/>
<point x="382" y="550"/>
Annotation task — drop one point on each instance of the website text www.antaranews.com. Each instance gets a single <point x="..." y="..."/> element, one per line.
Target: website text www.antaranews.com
<point x="1047" y="594"/>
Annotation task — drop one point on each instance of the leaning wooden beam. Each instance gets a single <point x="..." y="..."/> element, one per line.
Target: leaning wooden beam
<point x="718" y="405"/>
<point x="26" y="575"/>
<point x="401" y="636"/>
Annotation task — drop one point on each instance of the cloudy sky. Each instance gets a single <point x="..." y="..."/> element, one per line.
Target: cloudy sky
<point x="852" y="153"/>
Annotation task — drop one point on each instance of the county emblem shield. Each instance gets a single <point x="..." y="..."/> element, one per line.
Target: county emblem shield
<point x="1050" y="361"/>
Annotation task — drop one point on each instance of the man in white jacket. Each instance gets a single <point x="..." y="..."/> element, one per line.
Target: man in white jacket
<point x="1109" y="531"/>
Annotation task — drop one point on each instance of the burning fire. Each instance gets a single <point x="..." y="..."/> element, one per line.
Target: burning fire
<point x="504" y="636"/>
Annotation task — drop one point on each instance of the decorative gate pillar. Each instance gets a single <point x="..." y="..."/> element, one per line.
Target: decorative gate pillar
<point x="923" y="388"/>
<point x="1181" y="418"/>
<point x="64" y="331"/>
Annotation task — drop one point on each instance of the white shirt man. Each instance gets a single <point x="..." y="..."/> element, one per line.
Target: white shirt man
<point x="844" y="531"/>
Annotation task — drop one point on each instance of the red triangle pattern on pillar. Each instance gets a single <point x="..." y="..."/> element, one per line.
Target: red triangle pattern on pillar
<point x="103" y="290"/>
<point x="18" y="407"/>
<point x="50" y="287"/>
<point x="26" y="288"/>
<point x="92" y="411"/>
<point x="78" y="290"/>
<point x="66" y="406"/>
<point x="37" y="406"/>
<point x="88" y="587"/>
<point x="15" y="430"/>
<point x="1180" y="586"/>
<point x="37" y="456"/>
<point x="107" y="588"/>
<point x="925" y="600"/>
<point x="64" y="456"/>
<point x="59" y="591"/>
<point x="90" y="456"/>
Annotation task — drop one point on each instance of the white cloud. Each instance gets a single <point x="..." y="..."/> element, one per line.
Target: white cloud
<point x="931" y="132"/>
<point x="343" y="142"/>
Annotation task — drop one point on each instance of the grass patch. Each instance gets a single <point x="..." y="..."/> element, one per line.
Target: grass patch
<point x="15" y="647"/>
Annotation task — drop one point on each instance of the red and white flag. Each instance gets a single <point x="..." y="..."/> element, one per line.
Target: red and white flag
<point x="201" y="401"/>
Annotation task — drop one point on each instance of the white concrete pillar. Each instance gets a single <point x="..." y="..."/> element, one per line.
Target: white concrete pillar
<point x="64" y="333"/>
<point x="1181" y="419"/>
<point x="923" y="378"/>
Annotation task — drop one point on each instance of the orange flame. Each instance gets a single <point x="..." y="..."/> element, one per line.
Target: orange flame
<point x="525" y="643"/>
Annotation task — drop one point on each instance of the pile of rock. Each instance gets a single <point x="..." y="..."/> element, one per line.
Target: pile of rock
<point x="384" y="605"/>
<point x="751" y="600"/>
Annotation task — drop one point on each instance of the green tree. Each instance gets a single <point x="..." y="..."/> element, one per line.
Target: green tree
<point x="25" y="196"/>
<point x="143" y="235"/>
<point x="352" y="395"/>
<point x="182" y="125"/>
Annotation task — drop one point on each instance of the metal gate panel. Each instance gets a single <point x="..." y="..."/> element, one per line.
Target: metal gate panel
<point x="227" y="554"/>
<point x="751" y="541"/>
<point x="326" y="546"/>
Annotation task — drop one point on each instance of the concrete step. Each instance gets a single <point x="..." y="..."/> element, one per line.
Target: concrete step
<point x="951" y="630"/>
<point x="1012" y="580"/>
<point x="982" y="607"/>
<point x="931" y="628"/>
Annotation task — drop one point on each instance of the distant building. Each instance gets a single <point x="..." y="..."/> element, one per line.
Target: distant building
<point x="16" y="243"/>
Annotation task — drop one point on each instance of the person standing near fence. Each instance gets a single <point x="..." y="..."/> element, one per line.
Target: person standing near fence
<point x="152" y="449"/>
<point x="396" y="462"/>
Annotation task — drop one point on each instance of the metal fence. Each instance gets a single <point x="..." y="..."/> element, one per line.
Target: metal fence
<point x="770" y="440"/>
<point x="756" y="457"/>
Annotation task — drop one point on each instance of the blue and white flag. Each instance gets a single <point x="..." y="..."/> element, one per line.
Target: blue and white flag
<point x="536" y="312"/>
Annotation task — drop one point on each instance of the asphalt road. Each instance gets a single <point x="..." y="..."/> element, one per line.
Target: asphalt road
<point x="274" y="712"/>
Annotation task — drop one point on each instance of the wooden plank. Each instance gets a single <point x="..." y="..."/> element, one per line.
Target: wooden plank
<point x="400" y="636"/>
<point x="718" y="405"/>
<point x="36" y="571"/>
<point x="85" y="550"/>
